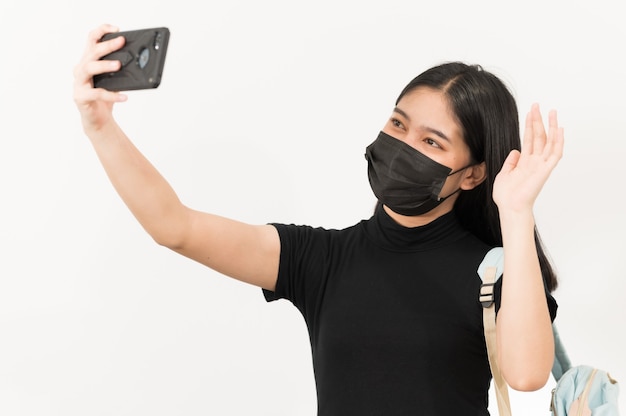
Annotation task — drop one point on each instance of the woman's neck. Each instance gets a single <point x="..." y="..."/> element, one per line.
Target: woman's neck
<point x="420" y="220"/>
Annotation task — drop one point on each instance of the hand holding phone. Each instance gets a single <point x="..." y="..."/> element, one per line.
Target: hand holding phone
<point x="142" y="58"/>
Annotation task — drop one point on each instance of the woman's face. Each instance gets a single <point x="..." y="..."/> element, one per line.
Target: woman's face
<point x="424" y="120"/>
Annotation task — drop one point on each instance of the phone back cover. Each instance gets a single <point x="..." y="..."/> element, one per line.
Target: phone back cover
<point x="142" y="57"/>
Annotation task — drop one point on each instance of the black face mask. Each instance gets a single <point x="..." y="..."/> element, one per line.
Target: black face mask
<point x="404" y="179"/>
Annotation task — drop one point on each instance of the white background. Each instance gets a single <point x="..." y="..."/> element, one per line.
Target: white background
<point x="263" y="115"/>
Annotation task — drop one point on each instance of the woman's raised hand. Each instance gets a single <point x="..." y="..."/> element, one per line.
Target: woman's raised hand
<point x="96" y="104"/>
<point x="524" y="173"/>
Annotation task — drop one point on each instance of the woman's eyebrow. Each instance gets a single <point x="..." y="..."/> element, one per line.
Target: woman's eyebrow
<point x="429" y="129"/>
<point x="402" y="113"/>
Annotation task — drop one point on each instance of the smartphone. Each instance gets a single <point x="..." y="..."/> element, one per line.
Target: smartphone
<point x="142" y="58"/>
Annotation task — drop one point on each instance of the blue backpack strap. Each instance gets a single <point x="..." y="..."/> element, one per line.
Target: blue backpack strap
<point x="562" y="362"/>
<point x="493" y="258"/>
<point x="490" y="271"/>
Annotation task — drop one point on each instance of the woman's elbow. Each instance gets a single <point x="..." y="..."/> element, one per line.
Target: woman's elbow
<point x="172" y="240"/>
<point x="528" y="382"/>
<point x="172" y="232"/>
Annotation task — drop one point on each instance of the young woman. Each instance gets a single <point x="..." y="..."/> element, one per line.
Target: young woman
<point x="391" y="302"/>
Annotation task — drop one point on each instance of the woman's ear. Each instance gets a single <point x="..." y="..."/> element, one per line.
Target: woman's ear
<point x="474" y="176"/>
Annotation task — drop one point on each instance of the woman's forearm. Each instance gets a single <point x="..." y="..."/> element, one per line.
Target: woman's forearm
<point x="142" y="188"/>
<point x="524" y="331"/>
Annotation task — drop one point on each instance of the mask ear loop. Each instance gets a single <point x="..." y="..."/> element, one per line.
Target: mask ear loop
<point x="463" y="168"/>
<point x="440" y="199"/>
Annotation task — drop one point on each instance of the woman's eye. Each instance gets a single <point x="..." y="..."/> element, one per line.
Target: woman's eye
<point x="431" y="142"/>
<point x="396" y="123"/>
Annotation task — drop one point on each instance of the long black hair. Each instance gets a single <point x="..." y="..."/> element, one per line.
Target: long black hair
<point x="488" y="116"/>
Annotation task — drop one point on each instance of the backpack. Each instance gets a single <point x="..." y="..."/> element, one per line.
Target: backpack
<point x="580" y="390"/>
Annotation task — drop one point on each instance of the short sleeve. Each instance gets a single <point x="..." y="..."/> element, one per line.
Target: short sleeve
<point x="303" y="266"/>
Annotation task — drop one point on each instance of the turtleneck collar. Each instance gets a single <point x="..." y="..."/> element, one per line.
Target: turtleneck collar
<point x="390" y="235"/>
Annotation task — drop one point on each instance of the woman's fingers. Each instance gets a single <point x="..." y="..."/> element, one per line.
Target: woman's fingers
<point x="101" y="49"/>
<point x="527" y="145"/>
<point x="96" y="104"/>
<point x="91" y="63"/>
<point x="536" y="140"/>
<point x="539" y="131"/>
<point x="96" y="35"/>
<point x="534" y="131"/>
<point x="523" y="174"/>
<point x="556" y="137"/>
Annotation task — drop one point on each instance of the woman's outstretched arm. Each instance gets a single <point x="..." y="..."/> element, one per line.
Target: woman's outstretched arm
<point x="246" y="252"/>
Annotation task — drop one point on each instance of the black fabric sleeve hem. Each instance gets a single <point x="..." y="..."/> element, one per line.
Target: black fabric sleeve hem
<point x="270" y="296"/>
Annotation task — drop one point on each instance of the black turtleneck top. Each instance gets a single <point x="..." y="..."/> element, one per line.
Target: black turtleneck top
<point x="393" y="315"/>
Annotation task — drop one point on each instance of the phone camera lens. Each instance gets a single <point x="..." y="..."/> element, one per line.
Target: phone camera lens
<point x="157" y="41"/>
<point x="144" y="57"/>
